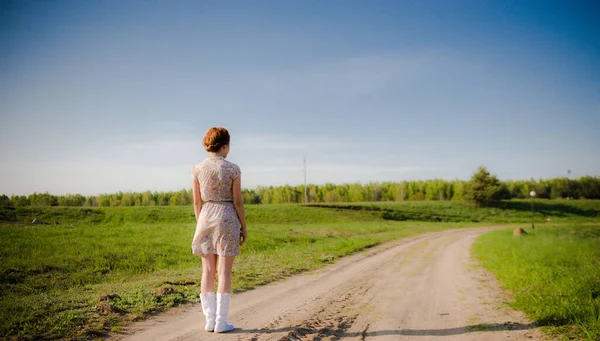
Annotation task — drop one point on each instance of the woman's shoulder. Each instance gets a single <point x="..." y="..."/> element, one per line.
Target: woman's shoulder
<point x="232" y="166"/>
<point x="229" y="163"/>
<point x="198" y="165"/>
<point x="194" y="171"/>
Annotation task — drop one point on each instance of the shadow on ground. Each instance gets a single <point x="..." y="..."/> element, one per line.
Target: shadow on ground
<point x="550" y="209"/>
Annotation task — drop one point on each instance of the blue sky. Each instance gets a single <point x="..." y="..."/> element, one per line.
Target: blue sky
<point x="102" y="96"/>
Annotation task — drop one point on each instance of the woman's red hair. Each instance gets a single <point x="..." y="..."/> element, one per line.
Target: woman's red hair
<point x="215" y="139"/>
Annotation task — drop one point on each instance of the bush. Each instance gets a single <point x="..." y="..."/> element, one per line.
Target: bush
<point x="484" y="189"/>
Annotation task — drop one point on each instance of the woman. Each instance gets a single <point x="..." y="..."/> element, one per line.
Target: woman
<point x="220" y="226"/>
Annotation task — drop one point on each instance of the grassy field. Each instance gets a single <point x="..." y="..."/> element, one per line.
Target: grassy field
<point x="513" y="211"/>
<point x="554" y="274"/>
<point x="87" y="271"/>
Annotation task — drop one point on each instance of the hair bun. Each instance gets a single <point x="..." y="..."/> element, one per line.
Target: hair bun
<point x="215" y="139"/>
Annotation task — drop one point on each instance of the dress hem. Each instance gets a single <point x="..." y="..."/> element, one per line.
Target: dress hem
<point x="213" y="253"/>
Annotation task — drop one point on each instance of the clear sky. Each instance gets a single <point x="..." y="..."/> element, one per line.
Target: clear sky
<point x="102" y="96"/>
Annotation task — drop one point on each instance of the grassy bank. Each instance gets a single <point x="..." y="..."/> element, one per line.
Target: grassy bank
<point x="511" y="211"/>
<point x="554" y="274"/>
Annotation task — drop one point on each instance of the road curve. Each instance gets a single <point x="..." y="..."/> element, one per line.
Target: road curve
<point x="425" y="287"/>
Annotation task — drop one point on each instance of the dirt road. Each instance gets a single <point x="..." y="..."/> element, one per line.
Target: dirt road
<point x="420" y="288"/>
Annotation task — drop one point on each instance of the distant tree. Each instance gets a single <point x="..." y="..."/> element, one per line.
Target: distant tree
<point x="20" y="200"/>
<point x="355" y="193"/>
<point x="162" y="200"/>
<point x="183" y="197"/>
<point x="91" y="202"/>
<point x="484" y="189"/>
<point x="332" y="196"/>
<point x="190" y="196"/>
<point x="341" y="192"/>
<point x="7" y="210"/>
<point x="449" y="189"/>
<point x="146" y="198"/>
<point x="174" y="200"/>
<point x="313" y="194"/>
<point x="104" y="200"/>
<point x="389" y="191"/>
<point x="459" y="191"/>
<point x="401" y="193"/>
<point x="376" y="192"/>
<point x="589" y="187"/>
<point x="127" y="199"/>
<point x="265" y="196"/>
<point x="250" y="197"/>
<point x="43" y="199"/>
<point x="418" y="196"/>
<point x="71" y="200"/>
<point x="431" y="191"/>
<point x="5" y="201"/>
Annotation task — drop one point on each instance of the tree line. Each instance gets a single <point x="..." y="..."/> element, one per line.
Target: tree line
<point x="587" y="187"/>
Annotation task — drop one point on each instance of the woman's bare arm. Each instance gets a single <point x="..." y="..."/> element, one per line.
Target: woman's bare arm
<point x="238" y="202"/>
<point x="197" y="198"/>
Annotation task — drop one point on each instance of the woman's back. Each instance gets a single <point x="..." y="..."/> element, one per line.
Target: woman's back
<point x="215" y="176"/>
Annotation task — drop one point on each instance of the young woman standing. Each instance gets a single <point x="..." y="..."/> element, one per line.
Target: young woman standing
<point x="220" y="226"/>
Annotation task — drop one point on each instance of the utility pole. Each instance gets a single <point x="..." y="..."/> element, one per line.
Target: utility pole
<point x="568" y="184"/>
<point x="305" y="195"/>
<point x="532" y="194"/>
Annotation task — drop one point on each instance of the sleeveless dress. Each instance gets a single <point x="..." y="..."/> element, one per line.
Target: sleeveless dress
<point x="218" y="226"/>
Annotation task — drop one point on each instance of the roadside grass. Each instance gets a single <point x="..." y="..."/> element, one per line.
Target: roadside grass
<point x="100" y="268"/>
<point x="553" y="273"/>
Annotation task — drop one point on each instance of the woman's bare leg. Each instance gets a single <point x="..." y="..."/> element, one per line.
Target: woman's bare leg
<point x="225" y="266"/>
<point x="208" y="273"/>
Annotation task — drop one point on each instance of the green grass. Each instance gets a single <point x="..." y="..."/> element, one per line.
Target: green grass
<point x="55" y="278"/>
<point x="512" y="211"/>
<point x="554" y="274"/>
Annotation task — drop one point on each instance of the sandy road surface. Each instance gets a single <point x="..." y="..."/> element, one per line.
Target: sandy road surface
<point x="419" y="288"/>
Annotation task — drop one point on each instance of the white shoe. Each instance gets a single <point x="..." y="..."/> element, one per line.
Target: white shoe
<point x="221" y="325"/>
<point x="209" y="308"/>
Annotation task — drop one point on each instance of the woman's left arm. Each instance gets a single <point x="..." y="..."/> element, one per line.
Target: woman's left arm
<point x="238" y="202"/>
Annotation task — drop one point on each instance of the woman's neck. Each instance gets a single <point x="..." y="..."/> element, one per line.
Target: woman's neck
<point x="217" y="154"/>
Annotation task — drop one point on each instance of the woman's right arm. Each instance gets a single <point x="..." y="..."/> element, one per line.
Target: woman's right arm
<point x="238" y="202"/>
<point x="197" y="198"/>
